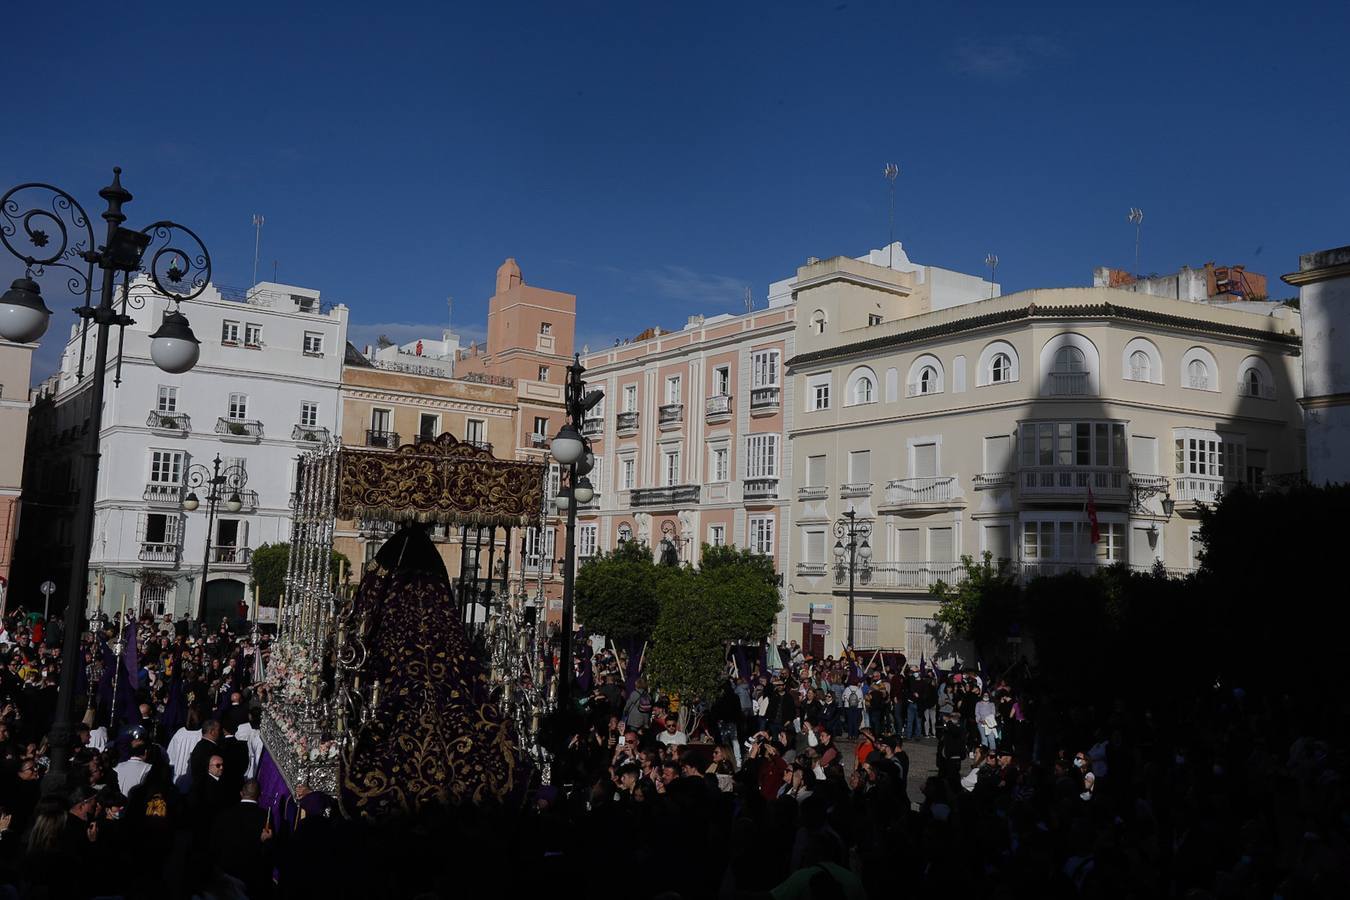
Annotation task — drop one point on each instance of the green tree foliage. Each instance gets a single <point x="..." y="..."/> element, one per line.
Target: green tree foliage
<point x="268" y="570"/>
<point x="619" y="594"/>
<point x="983" y="607"/>
<point x="688" y="652"/>
<point x="742" y="592"/>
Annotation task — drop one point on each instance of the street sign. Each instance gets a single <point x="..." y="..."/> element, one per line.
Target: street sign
<point x="824" y="607"/>
<point x="800" y="618"/>
<point x="820" y="628"/>
<point x="47" y="588"/>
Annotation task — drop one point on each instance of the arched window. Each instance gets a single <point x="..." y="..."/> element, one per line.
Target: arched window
<point x="818" y="322"/>
<point x="863" y="390"/>
<point x="1141" y="367"/>
<point x="1253" y="382"/>
<point x="1070" y="361"/>
<point x="1000" y="370"/>
<point x="928" y="380"/>
<point x="1255" y="379"/>
<point x="1198" y="374"/>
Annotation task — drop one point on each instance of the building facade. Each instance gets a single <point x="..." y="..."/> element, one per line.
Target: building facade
<point x="264" y="389"/>
<point x="15" y="368"/>
<point x="1323" y="282"/>
<point x="998" y="424"/>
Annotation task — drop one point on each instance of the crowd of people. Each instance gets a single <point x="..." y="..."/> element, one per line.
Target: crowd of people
<point x="867" y="776"/>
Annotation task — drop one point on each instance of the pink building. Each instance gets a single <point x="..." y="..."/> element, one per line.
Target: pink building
<point x="15" y="362"/>
<point x="690" y="440"/>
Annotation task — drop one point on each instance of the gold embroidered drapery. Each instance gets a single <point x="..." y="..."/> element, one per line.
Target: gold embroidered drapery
<point x="444" y="481"/>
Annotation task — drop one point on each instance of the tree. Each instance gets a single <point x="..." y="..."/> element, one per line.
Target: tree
<point x="983" y="606"/>
<point x="742" y="588"/>
<point x="618" y="594"/>
<point x="688" y="653"/>
<point x="269" y="565"/>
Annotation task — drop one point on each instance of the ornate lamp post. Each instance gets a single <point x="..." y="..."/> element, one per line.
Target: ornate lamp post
<point x="48" y="230"/>
<point x="570" y="450"/>
<point x="221" y="485"/>
<point x="857" y="548"/>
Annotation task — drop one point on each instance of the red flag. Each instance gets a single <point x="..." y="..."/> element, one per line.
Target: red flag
<point x="1092" y="517"/>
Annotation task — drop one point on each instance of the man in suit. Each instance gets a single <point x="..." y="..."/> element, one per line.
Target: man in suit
<point x="206" y="748"/>
<point x="241" y="842"/>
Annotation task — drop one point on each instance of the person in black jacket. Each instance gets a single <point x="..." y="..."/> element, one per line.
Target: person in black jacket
<point x="241" y="842"/>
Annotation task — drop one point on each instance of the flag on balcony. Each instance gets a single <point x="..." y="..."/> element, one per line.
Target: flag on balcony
<point x="1092" y="517"/>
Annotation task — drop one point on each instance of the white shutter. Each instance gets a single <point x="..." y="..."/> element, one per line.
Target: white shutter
<point x="860" y="467"/>
<point x="815" y="471"/>
<point x="815" y="546"/>
<point x="910" y="545"/>
<point x="998" y="541"/>
<point x="925" y="460"/>
<point x="998" y="453"/>
<point x="1141" y="554"/>
<point x="940" y="546"/>
<point x="1144" y="455"/>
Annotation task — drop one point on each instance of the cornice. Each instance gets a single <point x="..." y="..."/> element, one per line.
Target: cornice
<point x="1313" y="276"/>
<point x="429" y="401"/>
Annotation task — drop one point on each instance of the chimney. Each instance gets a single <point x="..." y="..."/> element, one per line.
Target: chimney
<point x="508" y="276"/>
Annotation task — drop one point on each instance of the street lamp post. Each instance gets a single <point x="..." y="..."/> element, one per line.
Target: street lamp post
<point x="857" y="548"/>
<point x="571" y="451"/>
<point x="217" y="482"/>
<point x="49" y="231"/>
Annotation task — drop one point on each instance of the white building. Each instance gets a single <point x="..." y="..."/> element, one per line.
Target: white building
<point x="1323" y="282"/>
<point x="265" y="388"/>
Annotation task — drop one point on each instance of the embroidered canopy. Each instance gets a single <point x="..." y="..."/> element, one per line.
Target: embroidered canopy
<point x="444" y="481"/>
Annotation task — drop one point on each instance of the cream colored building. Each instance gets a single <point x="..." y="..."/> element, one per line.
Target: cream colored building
<point x="983" y="426"/>
<point x="15" y="363"/>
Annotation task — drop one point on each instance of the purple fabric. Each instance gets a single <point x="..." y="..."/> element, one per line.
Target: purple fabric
<point x="105" y="681"/>
<point x="130" y="660"/>
<point x="272" y="790"/>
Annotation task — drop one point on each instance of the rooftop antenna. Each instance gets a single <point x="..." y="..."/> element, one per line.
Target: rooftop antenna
<point x="992" y="262"/>
<point x="274" y="270"/>
<point x="892" y="171"/>
<point x="257" y="242"/>
<point x="749" y="300"/>
<point x="449" y="313"/>
<point x="1137" y="217"/>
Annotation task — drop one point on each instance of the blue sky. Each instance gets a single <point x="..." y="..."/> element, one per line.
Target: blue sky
<point x="655" y="159"/>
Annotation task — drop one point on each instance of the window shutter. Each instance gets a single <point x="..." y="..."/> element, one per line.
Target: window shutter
<point x="998" y="541"/>
<point x="815" y="471"/>
<point x="909" y="545"/>
<point x="940" y="545"/>
<point x="998" y="453"/>
<point x="1141" y="554"/>
<point x="860" y="467"/>
<point x="815" y="546"/>
<point x="925" y="460"/>
<point x="1143" y="455"/>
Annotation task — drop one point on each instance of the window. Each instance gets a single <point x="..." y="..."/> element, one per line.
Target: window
<point x="920" y="638"/>
<point x="554" y="483"/>
<point x="761" y="456"/>
<point x="229" y="332"/>
<point x="541" y="426"/>
<point x="1141" y="367"/>
<point x="761" y="534"/>
<point x="586" y="540"/>
<point x="672" y="467"/>
<point x="863" y="390"/>
<point x="630" y="398"/>
<point x="1210" y="456"/>
<point x="860" y="467"/>
<point x="238" y="408"/>
<point x="380" y="420"/>
<point x="1251" y="381"/>
<point x="252" y="335"/>
<point x="1073" y="444"/>
<point x="628" y="474"/>
<point x="1070" y="361"/>
<point x="673" y="389"/>
<point x="928" y="380"/>
<point x="873" y="319"/>
<point x="159" y="528"/>
<point x="545" y="327"/>
<point x="309" y="414"/>
<point x="166" y="467"/>
<point x="543" y="373"/>
<point x="536" y="550"/>
<point x="625" y="533"/>
<point x="818" y="322"/>
<point x="1000" y="370"/>
<point x="813" y="546"/>
<point x="941" y="545"/>
<point x="998" y="541"/>
<point x="1071" y="541"/>
<point x="861" y="386"/>
<point x="717" y="535"/>
<point x="1197" y="375"/>
<point x="821" y="394"/>
<point x="313" y="343"/>
<point x="168" y="399"/>
<point x="1256" y="467"/>
<point x="475" y="431"/>
<point x="721" y="464"/>
<point x="925" y="460"/>
<point x="722" y="381"/>
<point x="764" y="368"/>
<point x="998" y="453"/>
<point x="305" y="304"/>
<point x="815" y="471"/>
<point x="428" y="426"/>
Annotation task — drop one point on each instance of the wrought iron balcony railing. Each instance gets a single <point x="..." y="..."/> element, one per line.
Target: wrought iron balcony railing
<point x="626" y="422"/>
<point x="163" y="494"/>
<point x="386" y="440"/>
<point x="718" y="408"/>
<point x="313" y="433"/>
<point x="765" y="398"/>
<point x="670" y="414"/>
<point x="674" y="495"/>
<point x="154" y="551"/>
<point x="760" y="488"/>
<point x="169" y="423"/>
<point x="244" y="429"/>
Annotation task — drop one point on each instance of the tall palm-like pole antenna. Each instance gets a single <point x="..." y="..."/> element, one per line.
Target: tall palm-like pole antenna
<point x="1137" y="217"/>
<point x="891" y="172"/>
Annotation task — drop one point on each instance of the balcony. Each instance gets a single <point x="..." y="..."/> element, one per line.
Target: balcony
<point x="310" y="434"/>
<point x="593" y="427"/>
<point x="1058" y="482"/>
<point x="229" y="555"/>
<point x="760" y="489"/>
<point x="626" y="423"/>
<point x="813" y="492"/>
<point x="169" y="424"/>
<point x="765" y="401"/>
<point x="1070" y="384"/>
<point x="479" y="445"/>
<point x="373" y="528"/>
<point x="1198" y="383"/>
<point x="539" y="441"/>
<point x="913" y="575"/>
<point x="162" y="494"/>
<point x="249" y="499"/>
<point x="856" y="489"/>
<point x="385" y="440"/>
<point x="922" y="388"/>
<point x="670" y="416"/>
<point x="810" y="569"/>
<point x="152" y="551"/>
<point x="242" y="431"/>
<point x="717" y="409"/>
<point x="992" y="481"/>
<point x="1260" y="390"/>
<point x="674" y="495"/>
<point x="931" y="491"/>
<point x="1198" y="489"/>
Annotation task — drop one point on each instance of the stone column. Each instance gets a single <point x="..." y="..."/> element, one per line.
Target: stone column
<point x="1323" y="282"/>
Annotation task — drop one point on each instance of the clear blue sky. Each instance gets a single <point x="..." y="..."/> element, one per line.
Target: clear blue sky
<point x="656" y="158"/>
